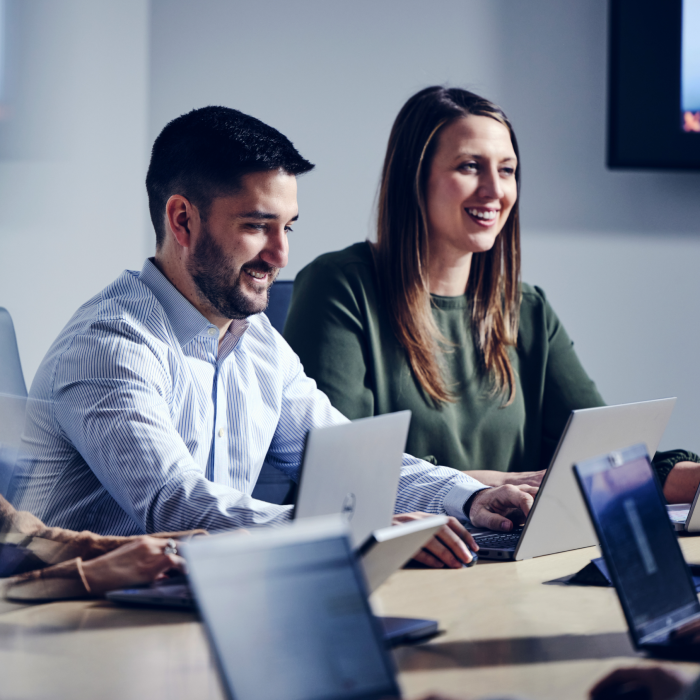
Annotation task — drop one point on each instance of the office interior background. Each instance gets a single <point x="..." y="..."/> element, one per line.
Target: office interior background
<point x="88" y="84"/>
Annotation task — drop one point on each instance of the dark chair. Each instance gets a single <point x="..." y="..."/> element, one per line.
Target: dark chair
<point x="273" y="486"/>
<point x="11" y="376"/>
<point x="280" y="297"/>
<point x="13" y="399"/>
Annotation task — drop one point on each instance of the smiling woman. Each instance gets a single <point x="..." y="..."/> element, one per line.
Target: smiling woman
<point x="433" y="317"/>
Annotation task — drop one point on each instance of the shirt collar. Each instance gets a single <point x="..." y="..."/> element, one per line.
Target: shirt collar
<point x="185" y="320"/>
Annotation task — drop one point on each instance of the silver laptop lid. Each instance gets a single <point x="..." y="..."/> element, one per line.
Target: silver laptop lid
<point x="354" y="469"/>
<point x="287" y="614"/>
<point x="559" y="521"/>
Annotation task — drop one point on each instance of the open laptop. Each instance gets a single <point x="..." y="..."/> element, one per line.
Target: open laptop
<point x="641" y="551"/>
<point x="287" y="615"/>
<point x="384" y="552"/>
<point x="685" y="517"/>
<point x="558" y="521"/>
<point x="354" y="469"/>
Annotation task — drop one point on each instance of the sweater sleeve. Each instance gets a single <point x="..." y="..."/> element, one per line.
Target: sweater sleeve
<point x="568" y="387"/>
<point x="326" y="327"/>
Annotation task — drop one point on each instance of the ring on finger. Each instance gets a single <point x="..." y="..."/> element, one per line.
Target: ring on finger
<point x="170" y="546"/>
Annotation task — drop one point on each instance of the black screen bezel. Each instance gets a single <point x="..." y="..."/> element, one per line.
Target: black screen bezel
<point x="644" y="88"/>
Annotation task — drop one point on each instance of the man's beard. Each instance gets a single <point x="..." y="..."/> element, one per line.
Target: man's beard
<point x="220" y="283"/>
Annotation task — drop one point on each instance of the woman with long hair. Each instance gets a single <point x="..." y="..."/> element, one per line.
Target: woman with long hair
<point x="434" y="318"/>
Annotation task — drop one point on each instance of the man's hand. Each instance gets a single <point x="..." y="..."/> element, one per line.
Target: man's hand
<point x="141" y="561"/>
<point x="490" y="477"/>
<point x="499" y="508"/>
<point x="447" y="548"/>
<point x="653" y="682"/>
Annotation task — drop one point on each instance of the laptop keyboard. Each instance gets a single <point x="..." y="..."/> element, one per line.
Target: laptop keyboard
<point x="498" y="539"/>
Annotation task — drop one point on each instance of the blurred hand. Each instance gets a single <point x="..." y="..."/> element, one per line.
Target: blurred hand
<point x="494" y="478"/>
<point x="652" y="682"/>
<point x="688" y="634"/>
<point x="500" y="507"/>
<point x="142" y="560"/>
<point x="448" y="548"/>
<point x="682" y="482"/>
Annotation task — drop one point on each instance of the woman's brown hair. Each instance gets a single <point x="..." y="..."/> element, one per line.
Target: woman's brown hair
<point x="402" y="248"/>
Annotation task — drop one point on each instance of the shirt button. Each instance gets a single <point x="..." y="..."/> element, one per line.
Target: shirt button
<point x="221" y="432"/>
<point x="212" y="332"/>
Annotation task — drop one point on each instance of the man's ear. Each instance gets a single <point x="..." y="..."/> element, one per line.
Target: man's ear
<point x="181" y="216"/>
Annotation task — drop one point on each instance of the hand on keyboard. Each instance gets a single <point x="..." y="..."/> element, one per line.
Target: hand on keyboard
<point x="499" y="508"/>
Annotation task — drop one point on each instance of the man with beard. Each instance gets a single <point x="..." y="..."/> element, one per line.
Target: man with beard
<point x="159" y="402"/>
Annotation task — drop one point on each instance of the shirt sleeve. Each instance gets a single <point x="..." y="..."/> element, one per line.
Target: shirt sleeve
<point x="111" y="400"/>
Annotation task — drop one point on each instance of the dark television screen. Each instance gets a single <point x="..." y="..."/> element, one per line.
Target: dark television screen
<point x="654" y="84"/>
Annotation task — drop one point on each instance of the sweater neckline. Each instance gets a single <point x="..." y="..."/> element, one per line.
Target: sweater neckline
<point x="460" y="302"/>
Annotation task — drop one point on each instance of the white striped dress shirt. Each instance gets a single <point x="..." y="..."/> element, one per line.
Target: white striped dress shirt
<point x="140" y="421"/>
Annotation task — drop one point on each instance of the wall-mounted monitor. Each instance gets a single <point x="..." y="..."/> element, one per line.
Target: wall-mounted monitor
<point x="654" y="84"/>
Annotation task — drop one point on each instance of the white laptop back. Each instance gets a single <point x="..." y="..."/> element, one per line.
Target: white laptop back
<point x="559" y="521"/>
<point x="354" y="469"/>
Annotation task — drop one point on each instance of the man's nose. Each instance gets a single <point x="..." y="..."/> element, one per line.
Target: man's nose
<point x="276" y="251"/>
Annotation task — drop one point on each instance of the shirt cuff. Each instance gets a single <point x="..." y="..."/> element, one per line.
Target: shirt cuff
<point x="458" y="495"/>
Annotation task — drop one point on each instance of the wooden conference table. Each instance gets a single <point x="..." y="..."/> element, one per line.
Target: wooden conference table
<point x="505" y="632"/>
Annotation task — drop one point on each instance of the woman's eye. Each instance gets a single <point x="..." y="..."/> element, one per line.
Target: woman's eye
<point x="469" y="167"/>
<point x="508" y="172"/>
<point x="288" y="229"/>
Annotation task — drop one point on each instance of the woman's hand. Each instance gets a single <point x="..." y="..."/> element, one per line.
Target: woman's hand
<point x="142" y="560"/>
<point x="654" y="682"/>
<point x="682" y="483"/>
<point x="448" y="548"/>
<point x="494" y="478"/>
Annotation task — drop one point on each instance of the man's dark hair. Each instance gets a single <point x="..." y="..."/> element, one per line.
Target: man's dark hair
<point x="204" y="154"/>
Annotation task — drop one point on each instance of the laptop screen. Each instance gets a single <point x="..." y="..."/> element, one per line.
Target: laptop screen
<point x="638" y="541"/>
<point x="290" y="619"/>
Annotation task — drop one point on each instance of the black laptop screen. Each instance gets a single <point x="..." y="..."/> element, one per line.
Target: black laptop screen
<point x="637" y="540"/>
<point x="292" y="622"/>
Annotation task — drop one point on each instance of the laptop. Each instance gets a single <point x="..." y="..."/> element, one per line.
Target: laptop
<point x="384" y="552"/>
<point x="558" y="521"/>
<point x="641" y="551"/>
<point x="685" y="517"/>
<point x="354" y="469"/>
<point x="287" y="616"/>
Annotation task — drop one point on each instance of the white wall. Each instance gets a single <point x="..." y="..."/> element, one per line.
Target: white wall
<point x="73" y="154"/>
<point x="329" y="75"/>
<point x="617" y="252"/>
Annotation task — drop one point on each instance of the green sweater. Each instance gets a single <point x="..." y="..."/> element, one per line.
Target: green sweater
<point x="340" y="330"/>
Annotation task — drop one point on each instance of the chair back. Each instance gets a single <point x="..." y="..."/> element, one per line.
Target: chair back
<point x="13" y="399"/>
<point x="11" y="376"/>
<point x="280" y="298"/>
<point x="272" y="485"/>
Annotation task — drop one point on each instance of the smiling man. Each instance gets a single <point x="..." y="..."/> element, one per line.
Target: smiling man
<point x="159" y="402"/>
